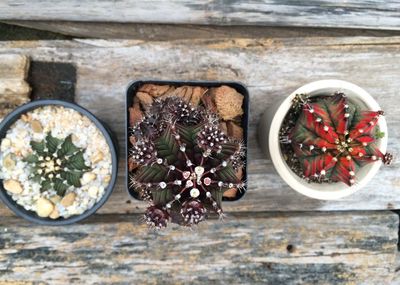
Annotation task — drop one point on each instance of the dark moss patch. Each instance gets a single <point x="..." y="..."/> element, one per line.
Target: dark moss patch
<point x="52" y="80"/>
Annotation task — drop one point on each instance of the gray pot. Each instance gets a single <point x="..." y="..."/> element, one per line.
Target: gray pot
<point x="111" y="140"/>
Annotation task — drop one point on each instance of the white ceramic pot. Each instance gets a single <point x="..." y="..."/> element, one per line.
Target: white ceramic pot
<point x="268" y="134"/>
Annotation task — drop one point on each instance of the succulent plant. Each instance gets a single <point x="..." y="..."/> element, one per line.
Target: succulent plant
<point x="185" y="163"/>
<point x="333" y="138"/>
<point x="56" y="164"/>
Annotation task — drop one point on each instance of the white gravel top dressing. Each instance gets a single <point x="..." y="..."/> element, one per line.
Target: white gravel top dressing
<point x="16" y="172"/>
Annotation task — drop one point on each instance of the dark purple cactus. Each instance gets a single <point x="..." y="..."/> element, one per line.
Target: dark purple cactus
<point x="156" y="217"/>
<point x="185" y="163"/>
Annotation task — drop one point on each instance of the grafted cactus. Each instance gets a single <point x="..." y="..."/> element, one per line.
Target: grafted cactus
<point x="333" y="138"/>
<point x="185" y="163"/>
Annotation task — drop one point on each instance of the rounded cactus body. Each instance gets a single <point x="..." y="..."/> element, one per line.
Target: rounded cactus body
<point x="56" y="164"/>
<point x="185" y="161"/>
<point x="333" y="138"/>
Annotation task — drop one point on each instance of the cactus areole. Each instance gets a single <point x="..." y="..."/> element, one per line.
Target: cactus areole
<point x="328" y="139"/>
<point x="185" y="163"/>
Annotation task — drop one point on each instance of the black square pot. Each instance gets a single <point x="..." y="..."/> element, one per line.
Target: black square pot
<point x="131" y="92"/>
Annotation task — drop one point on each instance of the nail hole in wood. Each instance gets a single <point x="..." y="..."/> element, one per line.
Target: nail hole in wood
<point x="290" y="248"/>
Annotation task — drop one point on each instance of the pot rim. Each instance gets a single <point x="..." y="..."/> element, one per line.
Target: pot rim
<point x="323" y="191"/>
<point x="31" y="216"/>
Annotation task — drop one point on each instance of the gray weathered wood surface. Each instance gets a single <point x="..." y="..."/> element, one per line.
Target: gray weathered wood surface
<point x="345" y="248"/>
<point x="272" y="69"/>
<point x="373" y="14"/>
<point x="251" y="246"/>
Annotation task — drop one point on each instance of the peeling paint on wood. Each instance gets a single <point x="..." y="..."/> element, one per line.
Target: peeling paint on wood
<point x="357" y="248"/>
<point x="321" y="13"/>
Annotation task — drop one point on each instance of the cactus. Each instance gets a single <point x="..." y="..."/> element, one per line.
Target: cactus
<point x="185" y="163"/>
<point x="56" y="164"/>
<point x="332" y="138"/>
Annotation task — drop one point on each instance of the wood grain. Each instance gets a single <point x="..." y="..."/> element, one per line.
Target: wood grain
<point x="14" y="89"/>
<point x="272" y="69"/>
<point x="15" y="92"/>
<point x="168" y="32"/>
<point x="321" y="13"/>
<point x="352" y="248"/>
<point x="13" y="66"/>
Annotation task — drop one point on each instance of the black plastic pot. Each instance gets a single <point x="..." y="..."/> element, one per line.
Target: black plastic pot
<point x="131" y="92"/>
<point x="111" y="141"/>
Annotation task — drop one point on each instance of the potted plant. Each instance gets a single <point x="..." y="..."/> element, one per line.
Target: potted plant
<point x="186" y="150"/>
<point x="326" y="140"/>
<point x="58" y="162"/>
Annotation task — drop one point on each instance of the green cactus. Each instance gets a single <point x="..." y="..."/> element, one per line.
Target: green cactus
<point x="185" y="163"/>
<point x="56" y="164"/>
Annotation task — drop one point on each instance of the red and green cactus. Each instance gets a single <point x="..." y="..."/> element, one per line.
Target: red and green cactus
<point x="186" y="163"/>
<point x="333" y="138"/>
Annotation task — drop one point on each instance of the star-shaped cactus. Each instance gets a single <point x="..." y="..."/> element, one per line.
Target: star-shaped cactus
<point x="56" y="164"/>
<point x="185" y="163"/>
<point x="333" y="138"/>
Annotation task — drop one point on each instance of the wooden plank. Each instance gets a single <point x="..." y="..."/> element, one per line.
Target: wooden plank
<point x="272" y="68"/>
<point x="13" y="66"/>
<point x="353" y="248"/>
<point x="165" y="32"/>
<point x="14" y="90"/>
<point x="396" y="278"/>
<point x="321" y="13"/>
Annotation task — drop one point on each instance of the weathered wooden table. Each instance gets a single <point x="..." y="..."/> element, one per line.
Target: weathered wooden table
<point x="273" y="235"/>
